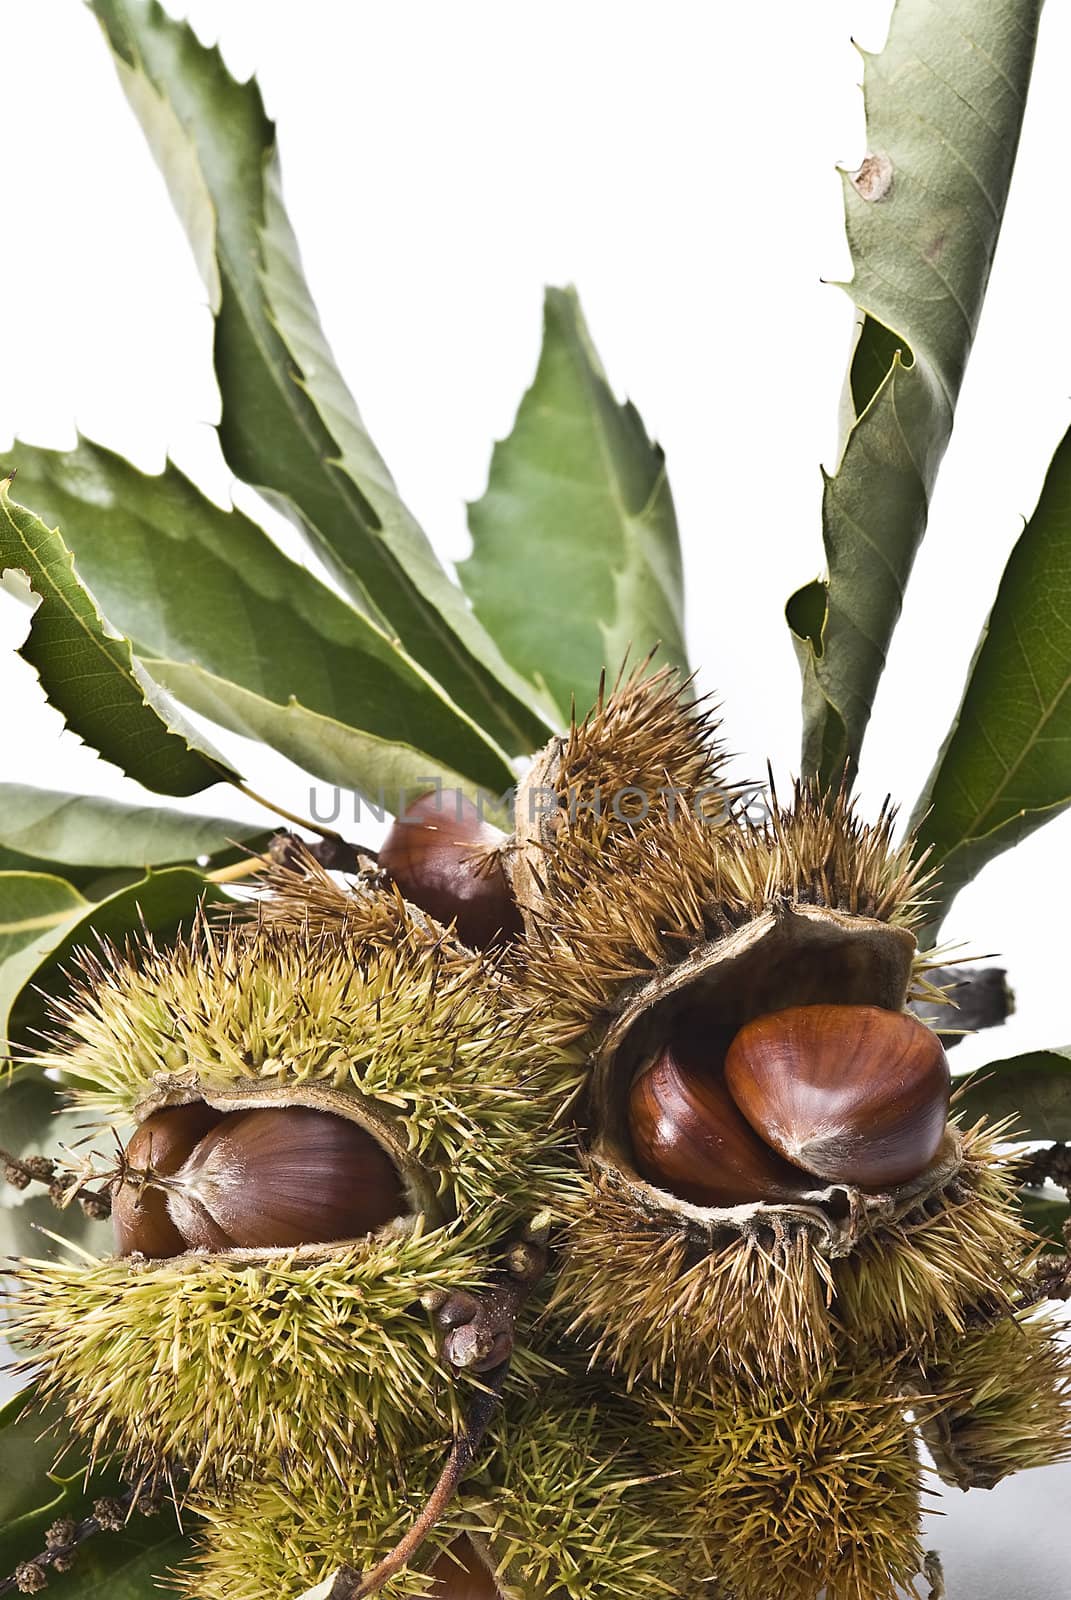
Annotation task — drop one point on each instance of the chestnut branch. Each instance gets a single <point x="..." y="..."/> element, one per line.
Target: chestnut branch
<point x="64" y="1538"/>
<point x="479" y="1333"/>
<point x="333" y="853"/>
<point x="934" y="1573"/>
<point x="976" y="1000"/>
<point x="65" y="1187"/>
<point x="349" y="1584"/>
<point x="1052" y="1165"/>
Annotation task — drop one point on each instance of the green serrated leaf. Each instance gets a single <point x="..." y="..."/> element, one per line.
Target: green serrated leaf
<point x="84" y="833"/>
<point x="158" y="903"/>
<point x="1034" y="1088"/>
<point x="34" y="1493"/>
<point x="290" y="426"/>
<point x="944" y="106"/>
<point x="575" y="549"/>
<point x="91" y="675"/>
<point x="200" y="588"/>
<point x="34" y="906"/>
<point x="1005" y="765"/>
<point x="384" y="769"/>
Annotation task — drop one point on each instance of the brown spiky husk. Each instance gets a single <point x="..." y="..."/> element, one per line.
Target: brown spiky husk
<point x="300" y="896"/>
<point x="661" y="1295"/>
<point x="624" y="904"/>
<point x="1003" y="1393"/>
<point x="792" y="1493"/>
<point x="641" y="752"/>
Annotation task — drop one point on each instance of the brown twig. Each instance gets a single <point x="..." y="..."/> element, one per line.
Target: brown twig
<point x="479" y="1333"/>
<point x="333" y="853"/>
<point x="64" y="1538"/>
<point x="975" y="999"/>
<point x="21" y="1172"/>
<point x="349" y="1584"/>
<point x="1051" y="1165"/>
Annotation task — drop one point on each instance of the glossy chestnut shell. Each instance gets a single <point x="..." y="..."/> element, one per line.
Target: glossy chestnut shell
<point x="852" y="1094"/>
<point x="161" y="1144"/>
<point x="459" y="1574"/>
<point x="258" y="1179"/>
<point x="447" y="860"/>
<point x="689" y="1137"/>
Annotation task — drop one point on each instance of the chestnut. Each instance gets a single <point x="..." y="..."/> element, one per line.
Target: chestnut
<point x="853" y="1094"/>
<point x="448" y="861"/>
<point x="459" y="1574"/>
<point x="160" y="1146"/>
<point x="198" y="1179"/>
<point x="690" y="1138"/>
<point x="283" y="1175"/>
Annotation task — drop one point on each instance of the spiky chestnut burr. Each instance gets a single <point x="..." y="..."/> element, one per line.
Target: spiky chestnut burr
<point x="637" y="920"/>
<point x="796" y="1493"/>
<point x="318" y="1351"/>
<point x="447" y="860"/>
<point x="570" y="1500"/>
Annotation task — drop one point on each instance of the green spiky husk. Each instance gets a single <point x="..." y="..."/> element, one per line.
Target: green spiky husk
<point x="224" y="1363"/>
<point x="421" y="1030"/>
<point x="1004" y="1393"/>
<point x="661" y="1298"/>
<point x="566" y="1501"/>
<point x="790" y="1494"/>
<point x="274" y="1538"/>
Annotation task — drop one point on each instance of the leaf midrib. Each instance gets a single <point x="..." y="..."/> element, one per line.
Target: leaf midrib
<point x="340" y="488"/>
<point x="969" y="832"/>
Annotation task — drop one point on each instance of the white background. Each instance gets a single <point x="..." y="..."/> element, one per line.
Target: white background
<point x="442" y="162"/>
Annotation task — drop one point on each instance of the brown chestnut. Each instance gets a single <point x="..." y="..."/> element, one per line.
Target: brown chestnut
<point x="283" y="1175"/>
<point x="448" y="861"/>
<point x="459" y="1574"/>
<point x="688" y="1136"/>
<point x="160" y="1146"/>
<point x="853" y="1094"/>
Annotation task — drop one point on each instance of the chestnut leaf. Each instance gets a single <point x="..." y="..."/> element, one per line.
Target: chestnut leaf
<point x="207" y="596"/>
<point x="48" y="921"/>
<point x="1005" y="765"/>
<point x="576" y="556"/>
<point x="1034" y="1088"/>
<point x="290" y="426"/>
<point x="81" y="835"/>
<point x="34" y="908"/>
<point x="91" y="674"/>
<point x="944" y="104"/>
